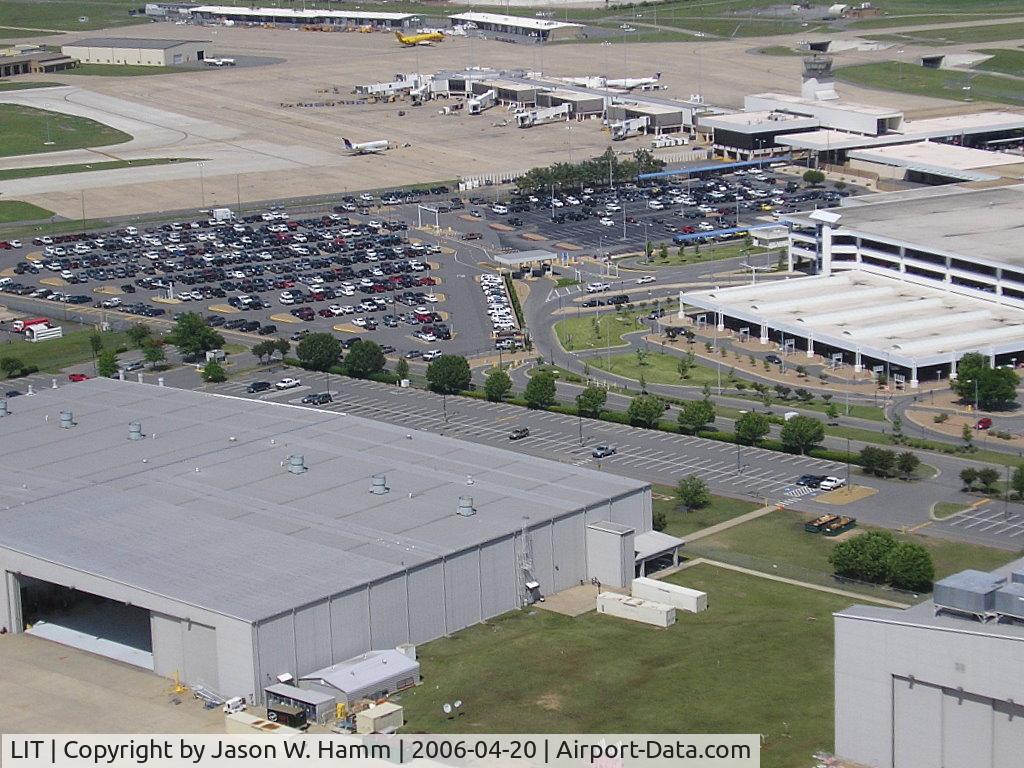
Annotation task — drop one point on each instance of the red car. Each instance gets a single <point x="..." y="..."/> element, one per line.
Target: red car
<point x="983" y="423"/>
<point x="77" y="377"/>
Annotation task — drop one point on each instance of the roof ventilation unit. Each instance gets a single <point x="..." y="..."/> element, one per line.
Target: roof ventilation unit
<point x="134" y="430"/>
<point x="1010" y="601"/>
<point x="466" y="508"/>
<point x="379" y="485"/>
<point x="296" y="464"/>
<point x="3" y="409"/>
<point x="67" y="421"/>
<point x="969" y="592"/>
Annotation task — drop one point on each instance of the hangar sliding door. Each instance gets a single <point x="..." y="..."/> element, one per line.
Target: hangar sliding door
<point x="200" y="642"/>
<point x="1007" y="733"/>
<point x="917" y="724"/>
<point x="498" y="575"/>
<point x="426" y="609"/>
<point x="966" y="730"/>
<point x="389" y="613"/>
<point x="570" y="551"/>
<point x="462" y="589"/>
<point x="313" y="637"/>
<point x="350" y="625"/>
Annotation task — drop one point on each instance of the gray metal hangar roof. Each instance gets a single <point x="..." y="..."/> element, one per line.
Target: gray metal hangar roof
<point x="131" y="42"/>
<point x="203" y="511"/>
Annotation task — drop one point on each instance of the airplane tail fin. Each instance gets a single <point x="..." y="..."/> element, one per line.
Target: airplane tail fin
<point x="348" y="144"/>
<point x="398" y="36"/>
<point x="657" y="75"/>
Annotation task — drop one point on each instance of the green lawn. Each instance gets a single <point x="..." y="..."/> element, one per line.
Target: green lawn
<point x="596" y="330"/>
<point x="15" y="210"/>
<point x="659" y="368"/>
<point x="57" y="170"/>
<point x="123" y="70"/>
<point x="936" y="83"/>
<point x="53" y="355"/>
<point x="759" y="661"/>
<point x="869" y="412"/>
<point x="944" y="509"/>
<point x="1009" y="61"/>
<point x="691" y="255"/>
<point x="777" y="543"/>
<point x="781" y="50"/>
<point x="985" y="33"/>
<point x="24" y="86"/>
<point x="681" y="523"/>
<point x="26" y="131"/>
<point x="886" y="22"/>
<point x="65" y="14"/>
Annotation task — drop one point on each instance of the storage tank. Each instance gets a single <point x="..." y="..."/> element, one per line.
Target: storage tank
<point x="636" y="609"/>
<point x="682" y="598"/>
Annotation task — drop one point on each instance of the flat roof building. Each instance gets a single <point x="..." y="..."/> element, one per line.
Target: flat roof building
<point x="136" y="51"/>
<point x="231" y="541"/>
<point x="35" y="62"/>
<point x="931" y="162"/>
<point x="542" y="30"/>
<point x="750" y="135"/>
<point x="580" y="104"/>
<point x="310" y="16"/>
<point x="923" y="686"/>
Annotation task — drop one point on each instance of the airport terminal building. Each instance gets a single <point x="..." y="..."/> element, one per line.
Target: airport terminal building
<point x="903" y="284"/>
<point x="230" y="541"/>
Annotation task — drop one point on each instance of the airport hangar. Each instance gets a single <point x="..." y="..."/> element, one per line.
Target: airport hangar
<point x="251" y="539"/>
<point x="218" y="14"/>
<point x="902" y="283"/>
<point x="136" y="51"/>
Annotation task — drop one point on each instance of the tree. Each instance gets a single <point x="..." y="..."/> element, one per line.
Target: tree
<point x="319" y="351"/>
<point x="968" y="476"/>
<point x="864" y="557"/>
<point x="967" y="435"/>
<point x="139" y="334"/>
<point x="988" y="477"/>
<point x="591" y="401"/>
<point x="983" y="385"/>
<point x="540" y="391"/>
<point x="153" y="352"/>
<point x="909" y="566"/>
<point x="265" y="348"/>
<point x="1017" y="482"/>
<point x="214" y="372"/>
<point x="282" y="346"/>
<point x="801" y="433"/>
<point x="364" y="359"/>
<point x="106" y="363"/>
<point x="645" y="411"/>
<point x="95" y="342"/>
<point x="11" y="365"/>
<point x="886" y="462"/>
<point x="449" y="374"/>
<point x="659" y="520"/>
<point x="752" y="428"/>
<point x="648" y="250"/>
<point x="402" y="369"/>
<point x="693" y="493"/>
<point x="192" y="336"/>
<point x="813" y="177"/>
<point x="694" y="415"/>
<point x="906" y="463"/>
<point x="497" y="385"/>
<point x="663" y="252"/>
<point x="832" y="411"/>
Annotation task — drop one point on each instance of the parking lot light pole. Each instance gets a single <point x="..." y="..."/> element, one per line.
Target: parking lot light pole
<point x="202" y="186"/>
<point x="579" y="418"/>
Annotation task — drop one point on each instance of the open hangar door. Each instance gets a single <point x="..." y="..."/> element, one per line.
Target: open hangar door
<point x="86" y="621"/>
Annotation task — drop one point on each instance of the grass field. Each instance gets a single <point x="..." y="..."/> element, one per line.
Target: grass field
<point x="596" y="331"/>
<point x="1008" y="61"/>
<point x="53" y="355"/>
<point x="986" y="33"/>
<point x="781" y="50"/>
<point x="681" y="523"/>
<point x="759" y="661"/>
<point x="659" y="368"/>
<point x="65" y="14"/>
<point x="691" y="255"/>
<point x="26" y="131"/>
<point x="18" y="86"/>
<point x="778" y="540"/>
<point x="123" y="70"/>
<point x="15" y="210"/>
<point x="937" y="83"/>
<point x="109" y="165"/>
<point x="945" y="509"/>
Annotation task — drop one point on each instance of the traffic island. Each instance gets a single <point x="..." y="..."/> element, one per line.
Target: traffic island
<point x="846" y="495"/>
<point x="223" y="309"/>
<point x="283" y="318"/>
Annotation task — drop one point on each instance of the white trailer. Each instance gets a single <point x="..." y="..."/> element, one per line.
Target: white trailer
<point x="222" y="214"/>
<point x="43" y="332"/>
<point x="624" y="129"/>
<point x="544" y="115"/>
<point x="670" y="141"/>
<point x="480" y="104"/>
<point x="682" y="598"/>
<point x="636" y="609"/>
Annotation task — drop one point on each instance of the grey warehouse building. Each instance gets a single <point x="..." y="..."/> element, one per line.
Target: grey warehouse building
<point x="231" y="541"/>
<point x="935" y="685"/>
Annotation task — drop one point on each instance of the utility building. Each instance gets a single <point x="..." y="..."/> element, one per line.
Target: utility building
<point x="137" y="51"/>
<point x="233" y="541"/>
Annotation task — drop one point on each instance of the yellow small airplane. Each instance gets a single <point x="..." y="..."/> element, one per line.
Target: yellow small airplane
<point x="426" y="38"/>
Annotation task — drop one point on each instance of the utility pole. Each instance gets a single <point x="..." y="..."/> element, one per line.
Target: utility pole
<point x="579" y="417"/>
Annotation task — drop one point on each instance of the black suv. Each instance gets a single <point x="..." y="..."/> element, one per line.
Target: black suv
<point x="258" y="386"/>
<point x="320" y="398"/>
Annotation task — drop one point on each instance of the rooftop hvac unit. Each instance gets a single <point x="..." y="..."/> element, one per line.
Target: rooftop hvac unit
<point x="296" y="464"/>
<point x="465" y="508"/>
<point x="1017" y="577"/>
<point x="67" y="420"/>
<point x="134" y="431"/>
<point x="379" y="485"/>
<point x="1009" y="601"/>
<point x="969" y="592"/>
<point x="3" y="409"/>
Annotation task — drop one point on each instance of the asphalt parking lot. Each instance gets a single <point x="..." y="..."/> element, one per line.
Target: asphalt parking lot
<point x="606" y="223"/>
